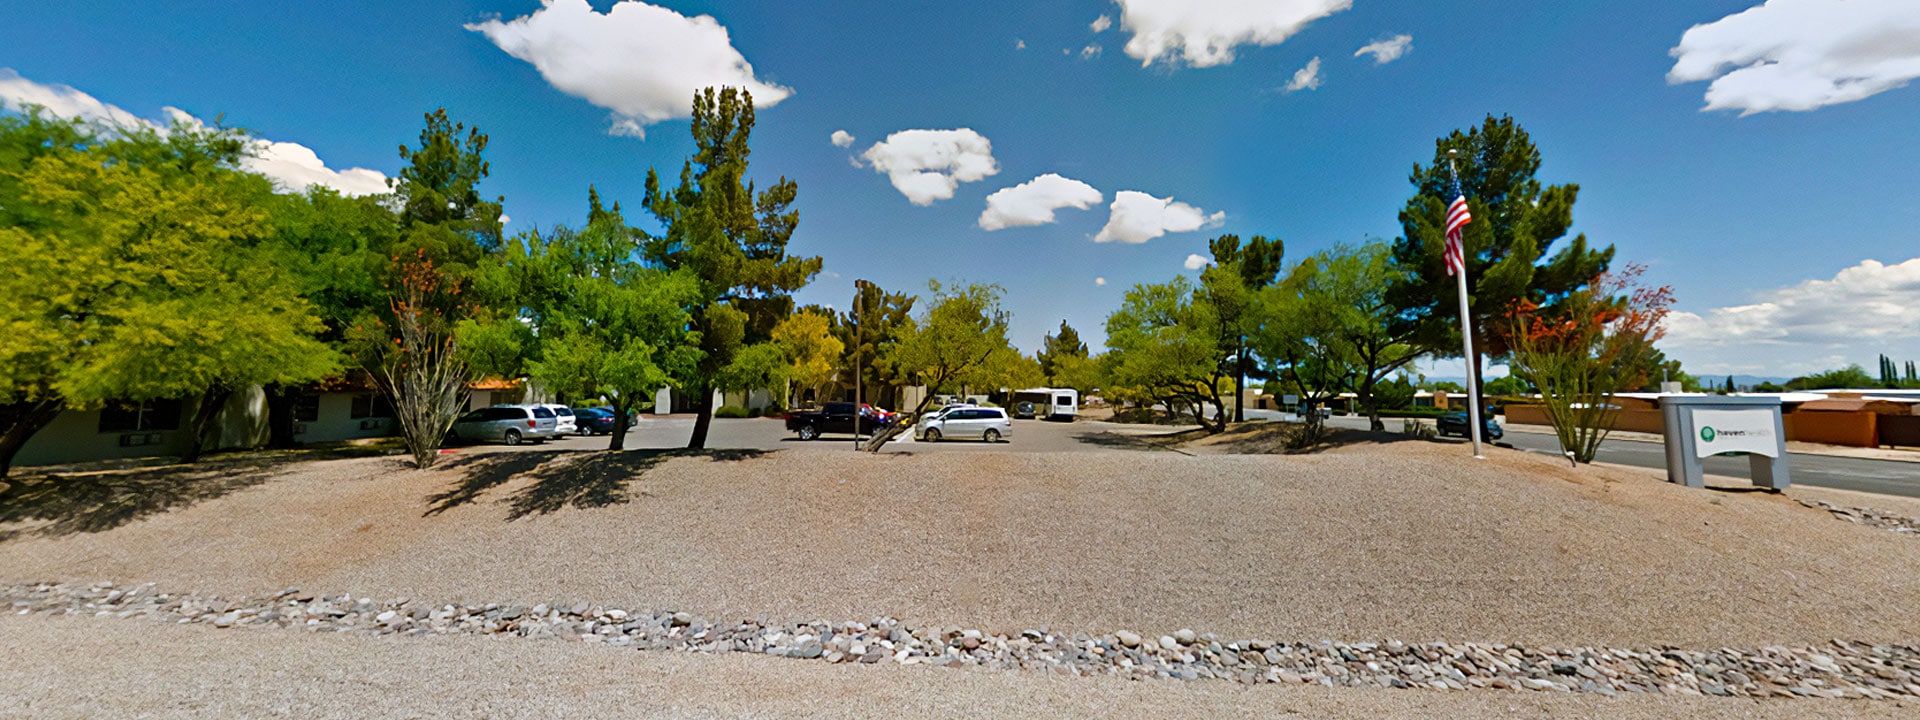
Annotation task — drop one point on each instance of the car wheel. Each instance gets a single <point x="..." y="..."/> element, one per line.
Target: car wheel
<point x="932" y="435"/>
<point x="992" y="435"/>
<point x="809" y="432"/>
<point x="512" y="437"/>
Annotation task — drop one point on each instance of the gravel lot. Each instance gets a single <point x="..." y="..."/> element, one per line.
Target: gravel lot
<point x="54" y="668"/>
<point x="1404" y="541"/>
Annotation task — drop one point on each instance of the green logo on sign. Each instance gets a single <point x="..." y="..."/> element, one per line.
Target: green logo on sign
<point x="1706" y="433"/>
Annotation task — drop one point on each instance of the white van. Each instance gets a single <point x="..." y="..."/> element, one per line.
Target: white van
<point x="1047" y="403"/>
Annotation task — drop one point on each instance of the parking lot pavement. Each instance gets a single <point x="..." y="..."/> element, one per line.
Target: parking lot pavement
<point x="656" y="432"/>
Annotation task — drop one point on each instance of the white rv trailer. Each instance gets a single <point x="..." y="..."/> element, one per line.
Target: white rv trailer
<point x="1047" y="403"/>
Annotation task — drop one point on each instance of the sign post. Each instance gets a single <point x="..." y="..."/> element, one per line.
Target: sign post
<point x="1701" y="426"/>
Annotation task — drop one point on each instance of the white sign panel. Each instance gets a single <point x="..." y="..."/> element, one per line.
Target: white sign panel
<point x="1725" y="431"/>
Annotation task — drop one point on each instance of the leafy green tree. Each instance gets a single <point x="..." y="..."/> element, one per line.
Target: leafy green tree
<point x="437" y="195"/>
<point x="733" y="239"/>
<point x="1237" y="272"/>
<point x="1514" y="249"/>
<point x="1056" y="348"/>
<point x="606" y="325"/>
<point x="1006" y="373"/>
<point x="962" y="330"/>
<point x="134" y="271"/>
<point x="1850" y="376"/>
<point x="869" y="337"/>
<point x="1508" y="385"/>
<point x="1164" y="347"/>
<point x="1341" y="295"/>
<point x="1396" y="393"/>
<point x="811" y="350"/>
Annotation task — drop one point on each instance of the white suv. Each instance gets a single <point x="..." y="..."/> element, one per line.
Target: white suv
<point x="564" y="423"/>
<point x="989" y="424"/>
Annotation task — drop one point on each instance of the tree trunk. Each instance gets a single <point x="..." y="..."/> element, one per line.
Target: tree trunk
<point x="18" y="422"/>
<point x="619" y="434"/>
<point x="702" y="420"/>
<point x="280" y="401"/>
<point x="204" y="414"/>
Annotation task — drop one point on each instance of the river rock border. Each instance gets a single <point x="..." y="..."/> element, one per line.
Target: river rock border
<point x="1838" y="670"/>
<point x="1869" y="517"/>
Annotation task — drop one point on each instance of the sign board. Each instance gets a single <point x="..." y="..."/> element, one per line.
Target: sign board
<point x="1290" y="399"/>
<point x="1726" y="431"/>
<point x="1702" y="426"/>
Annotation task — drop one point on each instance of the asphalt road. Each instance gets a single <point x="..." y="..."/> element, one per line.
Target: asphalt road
<point x="1887" y="477"/>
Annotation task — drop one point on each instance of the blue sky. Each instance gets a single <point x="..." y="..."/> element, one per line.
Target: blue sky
<point x="1739" y="213"/>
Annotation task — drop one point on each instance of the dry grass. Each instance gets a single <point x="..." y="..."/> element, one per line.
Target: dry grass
<point x="1407" y="540"/>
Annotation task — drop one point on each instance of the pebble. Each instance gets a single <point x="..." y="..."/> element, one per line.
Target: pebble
<point x="1854" y="671"/>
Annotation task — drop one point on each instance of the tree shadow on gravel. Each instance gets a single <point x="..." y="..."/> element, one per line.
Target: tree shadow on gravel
<point x="56" y="505"/>
<point x="1131" y="441"/>
<point x="561" y="479"/>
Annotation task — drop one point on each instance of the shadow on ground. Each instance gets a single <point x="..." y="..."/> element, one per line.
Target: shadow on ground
<point x="64" y="504"/>
<point x="1136" y="441"/>
<point x="561" y="478"/>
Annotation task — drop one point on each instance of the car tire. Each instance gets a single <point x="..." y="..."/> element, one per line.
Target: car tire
<point x="932" y="435"/>
<point x="992" y="435"/>
<point x="809" y="432"/>
<point x="511" y="437"/>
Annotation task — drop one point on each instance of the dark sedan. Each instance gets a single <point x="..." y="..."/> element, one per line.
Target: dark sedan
<point x="597" y="421"/>
<point x="1456" y="424"/>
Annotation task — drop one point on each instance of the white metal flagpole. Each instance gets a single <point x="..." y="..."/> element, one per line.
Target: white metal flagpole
<point x="1466" y="328"/>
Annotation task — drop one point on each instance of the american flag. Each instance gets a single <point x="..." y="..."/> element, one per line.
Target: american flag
<point x="1457" y="219"/>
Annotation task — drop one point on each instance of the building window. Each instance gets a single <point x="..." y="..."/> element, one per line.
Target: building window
<point x="148" y="416"/>
<point x="371" y="405"/>
<point x="306" y="408"/>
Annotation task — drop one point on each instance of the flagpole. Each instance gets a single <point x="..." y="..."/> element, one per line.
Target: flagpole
<point x="1466" y="329"/>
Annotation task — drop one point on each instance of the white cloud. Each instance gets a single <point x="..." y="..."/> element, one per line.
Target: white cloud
<point x="1100" y="24"/>
<point x="1197" y="261"/>
<point x="1863" y="311"/>
<point x="1033" y="202"/>
<point x="1090" y="52"/>
<point x="1386" y="51"/>
<point x="1204" y="33"/>
<point x="1099" y="281"/>
<point x="1138" y="217"/>
<point x="1801" y="54"/>
<point x="1019" y="44"/>
<point x="641" y="61"/>
<point x="842" y="139"/>
<point x="504" y="219"/>
<point x="1306" y="78"/>
<point x="927" y="165"/>
<point x="291" y="166"/>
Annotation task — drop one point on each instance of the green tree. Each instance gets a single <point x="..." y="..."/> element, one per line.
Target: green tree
<point x="1514" y="249"/>
<point x="606" y="325"/>
<point x="134" y="271"/>
<point x="1163" y="347"/>
<point x="1342" y="296"/>
<point x="1849" y="377"/>
<point x="962" y="330"/>
<point x="869" y="336"/>
<point x="437" y="196"/>
<point x="1508" y="385"/>
<point x="812" y="352"/>
<point x="1237" y="271"/>
<point x="733" y="239"/>
<point x="1056" y="348"/>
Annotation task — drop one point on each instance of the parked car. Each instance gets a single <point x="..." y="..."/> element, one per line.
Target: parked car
<point x="989" y="424"/>
<point x="833" y="417"/>
<point x="920" y="426"/>
<point x="564" y="422"/>
<point x="1457" y="424"/>
<point x="510" y="424"/>
<point x="598" y="420"/>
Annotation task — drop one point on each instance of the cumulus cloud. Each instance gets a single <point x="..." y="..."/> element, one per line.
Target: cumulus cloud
<point x="1306" y="78"/>
<point x="640" y="61"/>
<point x="1197" y="261"/>
<point x="1204" y="33"/>
<point x="927" y="165"/>
<point x="291" y="166"/>
<point x="842" y="139"/>
<point x="1033" y="202"/>
<point x="1801" y="54"/>
<point x="1862" y="311"/>
<point x="1100" y="24"/>
<point x="1137" y="217"/>
<point x="1099" y="281"/>
<point x="1386" y="51"/>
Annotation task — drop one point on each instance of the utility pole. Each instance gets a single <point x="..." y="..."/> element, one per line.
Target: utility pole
<point x="859" y="370"/>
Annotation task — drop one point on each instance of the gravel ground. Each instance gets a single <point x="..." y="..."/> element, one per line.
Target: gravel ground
<point x="1403" y="541"/>
<point x="54" y="669"/>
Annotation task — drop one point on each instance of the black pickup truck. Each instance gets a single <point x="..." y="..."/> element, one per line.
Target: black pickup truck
<point x="833" y="417"/>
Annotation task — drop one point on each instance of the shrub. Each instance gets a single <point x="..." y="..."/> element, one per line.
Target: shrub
<point x="730" y="411"/>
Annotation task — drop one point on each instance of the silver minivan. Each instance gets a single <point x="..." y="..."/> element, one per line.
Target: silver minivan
<point x="986" y="423"/>
<point x="510" y="424"/>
